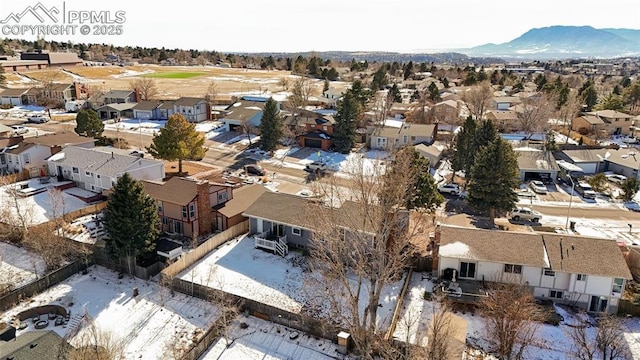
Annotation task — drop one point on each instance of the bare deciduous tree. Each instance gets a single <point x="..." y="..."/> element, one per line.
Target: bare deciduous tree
<point x="146" y="87"/>
<point x="511" y="314"/>
<point x="533" y="114"/>
<point x="212" y="93"/>
<point x="16" y="212"/>
<point x="440" y="333"/>
<point x="478" y="99"/>
<point x="605" y="342"/>
<point x="362" y="237"/>
<point x="54" y="250"/>
<point x="569" y="111"/>
<point x="300" y="93"/>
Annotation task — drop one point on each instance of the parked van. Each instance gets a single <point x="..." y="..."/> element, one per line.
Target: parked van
<point x="585" y="190"/>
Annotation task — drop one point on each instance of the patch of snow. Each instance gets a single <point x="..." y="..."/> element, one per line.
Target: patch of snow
<point x="18" y="266"/>
<point x="456" y="249"/>
<point x="148" y="325"/>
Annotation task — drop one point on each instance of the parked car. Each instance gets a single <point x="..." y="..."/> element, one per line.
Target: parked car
<point x="137" y="153"/>
<point x="254" y="170"/>
<point x="616" y="179"/>
<point x="525" y="192"/>
<point x="585" y="190"/>
<point x="39" y="119"/>
<point x="451" y="189"/>
<point x="316" y="166"/>
<point x="19" y="129"/>
<point x="524" y="213"/>
<point x="538" y="186"/>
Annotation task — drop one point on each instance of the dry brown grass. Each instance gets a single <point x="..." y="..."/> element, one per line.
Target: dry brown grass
<point x="55" y="75"/>
<point x="228" y="81"/>
<point x="188" y="168"/>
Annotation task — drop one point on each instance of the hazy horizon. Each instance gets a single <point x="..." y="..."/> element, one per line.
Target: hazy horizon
<point x="403" y="26"/>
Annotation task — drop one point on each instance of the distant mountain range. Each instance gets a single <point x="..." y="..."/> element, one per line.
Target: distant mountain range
<point x="561" y="42"/>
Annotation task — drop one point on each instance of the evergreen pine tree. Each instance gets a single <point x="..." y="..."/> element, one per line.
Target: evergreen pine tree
<point x="88" y="124"/>
<point x="422" y="192"/>
<point x="494" y="175"/>
<point x="395" y="93"/>
<point x="270" y="126"/>
<point x="3" y="79"/>
<point x="344" y="130"/>
<point x="131" y="220"/>
<point x="434" y="93"/>
<point x="408" y="70"/>
<point x="463" y="146"/>
<point x="178" y="140"/>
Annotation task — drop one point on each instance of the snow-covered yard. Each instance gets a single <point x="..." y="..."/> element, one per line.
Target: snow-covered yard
<point x="149" y="325"/>
<point x="552" y="342"/>
<point x="238" y="268"/>
<point x="42" y="206"/>
<point x="18" y="266"/>
<point x="265" y="340"/>
<point x="370" y="162"/>
<point x="149" y="127"/>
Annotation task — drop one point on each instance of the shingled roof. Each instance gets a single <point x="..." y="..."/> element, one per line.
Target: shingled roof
<point x="563" y="253"/>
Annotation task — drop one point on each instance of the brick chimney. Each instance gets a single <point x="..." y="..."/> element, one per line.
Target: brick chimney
<point x="205" y="215"/>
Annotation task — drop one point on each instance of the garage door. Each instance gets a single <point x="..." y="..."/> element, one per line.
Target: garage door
<point x="15" y="101"/>
<point x="314" y="143"/>
<point x="144" y="115"/>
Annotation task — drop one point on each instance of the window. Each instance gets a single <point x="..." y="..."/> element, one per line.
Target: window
<point x="581" y="277"/>
<point x="98" y="176"/>
<point x="192" y="211"/>
<point x="160" y="207"/>
<point x="75" y="170"/>
<point x="88" y="173"/>
<point x="296" y="231"/>
<point x="324" y="127"/>
<point x="93" y="188"/>
<point x="555" y="294"/>
<point x="165" y="221"/>
<point x="549" y="272"/>
<point x="184" y="212"/>
<point x="3" y="159"/>
<point x="617" y="285"/>
<point x="222" y="196"/>
<point x="513" y="269"/>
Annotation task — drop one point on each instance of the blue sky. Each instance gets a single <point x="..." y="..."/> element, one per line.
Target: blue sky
<point x="349" y="25"/>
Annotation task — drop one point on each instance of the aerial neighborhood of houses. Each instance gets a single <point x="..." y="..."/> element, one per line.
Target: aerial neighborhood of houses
<point x="337" y="209"/>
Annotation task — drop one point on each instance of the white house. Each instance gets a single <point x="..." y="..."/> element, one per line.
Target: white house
<point x="193" y="109"/>
<point x="587" y="272"/>
<point x="245" y="111"/>
<point x="30" y="154"/>
<point x="97" y="171"/>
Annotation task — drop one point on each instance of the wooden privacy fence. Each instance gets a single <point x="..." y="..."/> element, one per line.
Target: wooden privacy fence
<point x="39" y="285"/>
<point x="315" y="327"/>
<point x="205" y="248"/>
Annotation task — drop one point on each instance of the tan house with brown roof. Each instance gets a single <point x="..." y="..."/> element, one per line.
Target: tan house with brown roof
<point x="447" y="111"/>
<point x="505" y="120"/>
<point x="610" y="122"/>
<point x="185" y="205"/>
<point x="590" y="273"/>
<point x="389" y="137"/>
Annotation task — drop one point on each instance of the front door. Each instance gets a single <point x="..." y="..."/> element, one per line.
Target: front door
<point x="467" y="270"/>
<point x="259" y="226"/>
<point x="278" y="230"/>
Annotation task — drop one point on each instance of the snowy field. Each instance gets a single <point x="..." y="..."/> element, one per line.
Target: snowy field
<point x="18" y="266"/>
<point x="238" y="268"/>
<point x="263" y="340"/>
<point x="147" y="325"/>
<point x="41" y="207"/>
<point x="148" y="127"/>
<point x="553" y="342"/>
